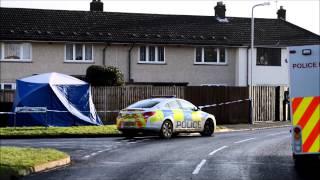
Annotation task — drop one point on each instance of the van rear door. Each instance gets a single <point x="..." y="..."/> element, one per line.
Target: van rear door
<point x="305" y="98"/>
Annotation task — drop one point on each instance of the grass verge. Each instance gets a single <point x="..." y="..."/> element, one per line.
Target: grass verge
<point x="75" y="131"/>
<point x="17" y="161"/>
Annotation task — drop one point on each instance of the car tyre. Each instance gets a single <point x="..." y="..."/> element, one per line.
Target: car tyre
<point x="208" y="128"/>
<point x="166" y="130"/>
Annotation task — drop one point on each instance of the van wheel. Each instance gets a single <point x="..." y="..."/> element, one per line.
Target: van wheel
<point x="166" y="129"/>
<point x="208" y="128"/>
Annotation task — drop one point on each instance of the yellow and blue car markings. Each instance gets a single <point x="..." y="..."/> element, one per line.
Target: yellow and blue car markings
<point x="183" y="120"/>
<point x="157" y="117"/>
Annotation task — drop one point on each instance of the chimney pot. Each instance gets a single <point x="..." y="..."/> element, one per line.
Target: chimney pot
<point x="281" y="13"/>
<point x="96" y="5"/>
<point x="220" y="10"/>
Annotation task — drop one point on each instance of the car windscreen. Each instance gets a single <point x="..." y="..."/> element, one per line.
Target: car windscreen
<point x="144" y="104"/>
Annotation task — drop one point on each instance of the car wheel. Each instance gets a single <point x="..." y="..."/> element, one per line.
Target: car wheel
<point x="208" y="128"/>
<point x="166" y="129"/>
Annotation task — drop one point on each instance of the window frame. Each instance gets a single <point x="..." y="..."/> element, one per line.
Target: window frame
<point x="267" y="50"/>
<point x="181" y="102"/>
<point x="174" y="101"/>
<point x="74" y="60"/>
<point x="203" y="62"/>
<point x="2" y="54"/>
<point x="156" y="55"/>
<point x="143" y="102"/>
<point x="13" y="86"/>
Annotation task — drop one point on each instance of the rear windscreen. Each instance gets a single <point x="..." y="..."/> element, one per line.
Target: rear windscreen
<point x="144" y="104"/>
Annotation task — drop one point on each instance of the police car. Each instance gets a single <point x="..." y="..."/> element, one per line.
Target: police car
<point x="166" y="116"/>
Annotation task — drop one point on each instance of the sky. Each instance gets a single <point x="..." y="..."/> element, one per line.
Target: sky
<point x="304" y="13"/>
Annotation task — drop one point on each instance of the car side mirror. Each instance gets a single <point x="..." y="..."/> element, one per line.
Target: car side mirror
<point x="195" y="109"/>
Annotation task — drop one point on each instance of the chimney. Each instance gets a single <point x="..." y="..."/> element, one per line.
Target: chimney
<point x="220" y="10"/>
<point x="96" y="5"/>
<point x="281" y="13"/>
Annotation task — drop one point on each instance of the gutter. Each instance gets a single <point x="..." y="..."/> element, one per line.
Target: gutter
<point x="129" y="63"/>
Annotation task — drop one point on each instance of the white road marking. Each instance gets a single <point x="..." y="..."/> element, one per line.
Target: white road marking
<point x="274" y="134"/>
<point x="197" y="169"/>
<point x="245" y="140"/>
<point x="87" y="156"/>
<point x="219" y="149"/>
<point x="125" y="140"/>
<point x="97" y="152"/>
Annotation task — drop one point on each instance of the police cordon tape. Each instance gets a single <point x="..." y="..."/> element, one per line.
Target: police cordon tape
<point x="7" y="113"/>
<point x="57" y="111"/>
<point x="44" y="109"/>
<point x="225" y="103"/>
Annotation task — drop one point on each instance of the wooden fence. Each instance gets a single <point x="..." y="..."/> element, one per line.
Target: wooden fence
<point x="6" y="96"/>
<point x="267" y="101"/>
<point x="229" y="113"/>
<point x="117" y="98"/>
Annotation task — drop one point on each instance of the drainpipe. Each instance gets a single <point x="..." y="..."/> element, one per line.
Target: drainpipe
<point x="248" y="66"/>
<point x="129" y="63"/>
<point x="104" y="55"/>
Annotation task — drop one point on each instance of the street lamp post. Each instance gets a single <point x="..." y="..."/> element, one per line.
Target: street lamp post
<point x="251" y="118"/>
<point x="252" y="36"/>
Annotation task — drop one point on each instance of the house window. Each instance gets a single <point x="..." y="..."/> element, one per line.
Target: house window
<point x="15" y="51"/>
<point x="78" y="53"/>
<point x="151" y="54"/>
<point x="8" y="86"/>
<point x="198" y="55"/>
<point x="210" y="55"/>
<point x="160" y="53"/>
<point x="268" y="56"/>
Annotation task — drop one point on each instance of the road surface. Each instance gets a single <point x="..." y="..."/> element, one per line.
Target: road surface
<point x="247" y="155"/>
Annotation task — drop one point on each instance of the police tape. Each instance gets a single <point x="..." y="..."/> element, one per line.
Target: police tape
<point x="224" y="103"/>
<point x="117" y="111"/>
<point x="57" y="111"/>
<point x="114" y="111"/>
<point x="7" y="113"/>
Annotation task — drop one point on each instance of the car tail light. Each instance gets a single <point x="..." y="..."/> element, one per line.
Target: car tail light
<point x="119" y="115"/>
<point x="146" y="115"/>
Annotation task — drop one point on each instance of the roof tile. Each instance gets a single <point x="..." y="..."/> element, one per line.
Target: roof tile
<point x="88" y="26"/>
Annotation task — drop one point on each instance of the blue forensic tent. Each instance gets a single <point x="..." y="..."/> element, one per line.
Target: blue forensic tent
<point x="68" y="100"/>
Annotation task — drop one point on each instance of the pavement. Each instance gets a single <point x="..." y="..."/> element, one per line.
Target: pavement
<point x="255" y="126"/>
<point x="250" y="154"/>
